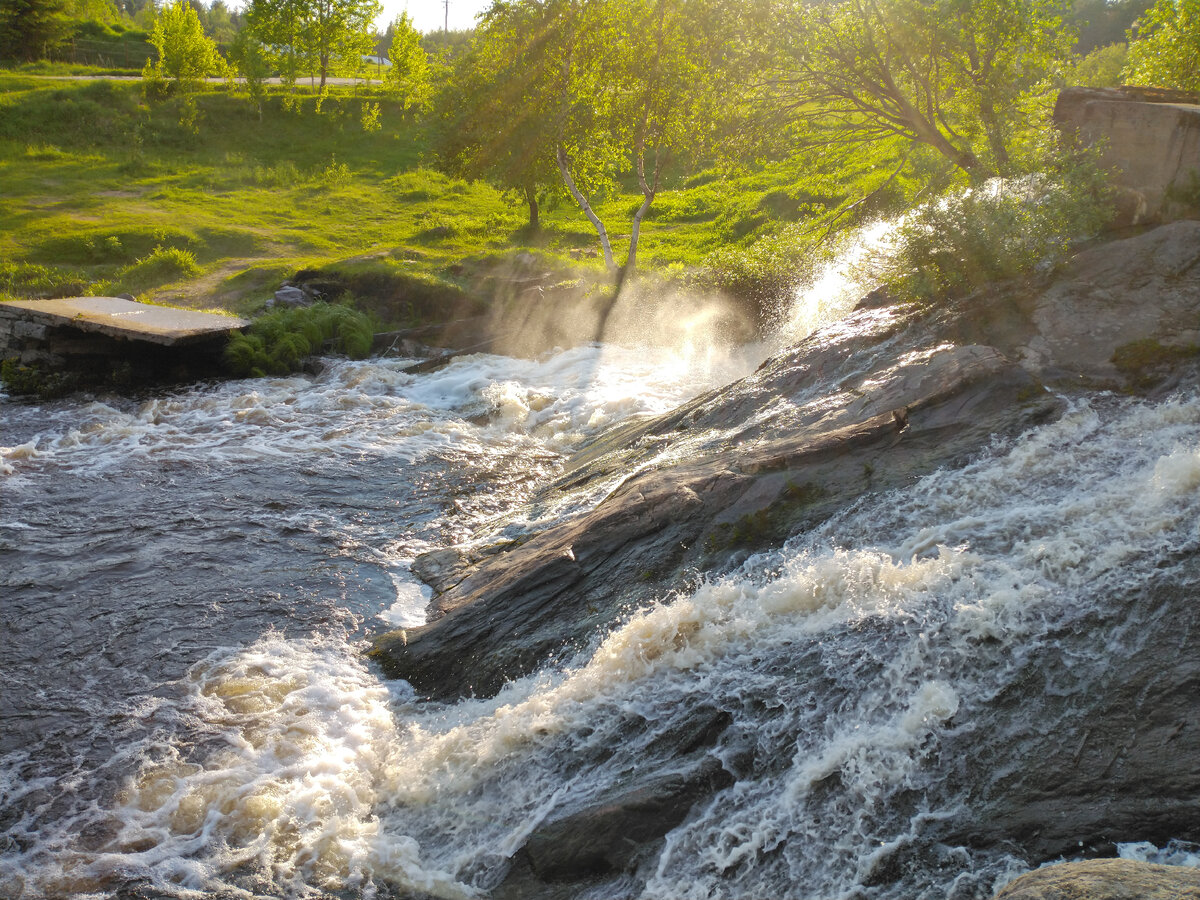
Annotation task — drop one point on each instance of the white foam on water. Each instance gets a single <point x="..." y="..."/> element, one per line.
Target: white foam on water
<point x="370" y="407"/>
<point x="838" y="285"/>
<point x="841" y="660"/>
<point x="1174" y="853"/>
<point x="292" y="768"/>
<point x="969" y="566"/>
<point x="302" y="736"/>
<point x="412" y="597"/>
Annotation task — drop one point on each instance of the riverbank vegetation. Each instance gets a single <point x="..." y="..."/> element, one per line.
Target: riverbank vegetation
<point x="713" y="145"/>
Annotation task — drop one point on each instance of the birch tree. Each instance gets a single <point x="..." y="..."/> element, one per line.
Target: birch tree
<point x="303" y="35"/>
<point x="586" y="90"/>
<point x="408" y="75"/>
<point x="339" y="31"/>
<point x="186" y="55"/>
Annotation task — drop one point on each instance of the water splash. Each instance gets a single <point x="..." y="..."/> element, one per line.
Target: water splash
<point x="841" y="662"/>
<point x="837" y="285"/>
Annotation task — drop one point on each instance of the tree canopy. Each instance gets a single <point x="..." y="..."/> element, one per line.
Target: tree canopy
<point x="30" y="29"/>
<point x="571" y="93"/>
<point x="409" y="73"/>
<point x="301" y="35"/>
<point x="1166" y="52"/>
<point x="947" y="75"/>
<point x="186" y="56"/>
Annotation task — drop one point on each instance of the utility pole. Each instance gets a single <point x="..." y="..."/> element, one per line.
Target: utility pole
<point x="446" y="24"/>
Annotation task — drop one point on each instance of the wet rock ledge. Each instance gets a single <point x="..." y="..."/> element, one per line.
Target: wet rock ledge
<point x="868" y="404"/>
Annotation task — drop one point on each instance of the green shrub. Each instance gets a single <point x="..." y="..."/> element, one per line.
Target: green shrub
<point x="30" y="280"/>
<point x="998" y="231"/>
<point x="29" y="381"/>
<point x="278" y="343"/>
<point x="764" y="272"/>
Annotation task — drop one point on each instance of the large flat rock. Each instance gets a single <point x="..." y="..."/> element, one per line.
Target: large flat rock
<point x="1152" y="148"/>
<point x="120" y="318"/>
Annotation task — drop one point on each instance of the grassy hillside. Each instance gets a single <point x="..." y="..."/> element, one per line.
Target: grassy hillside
<point x="105" y="193"/>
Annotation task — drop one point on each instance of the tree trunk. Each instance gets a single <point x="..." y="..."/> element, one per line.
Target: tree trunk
<point x="648" y="194"/>
<point x="605" y="245"/>
<point x="531" y="199"/>
<point x="991" y="126"/>
<point x="324" y="68"/>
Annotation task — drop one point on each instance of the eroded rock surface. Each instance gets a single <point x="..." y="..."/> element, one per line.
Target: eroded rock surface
<point x="871" y="402"/>
<point x="772" y="460"/>
<point x="1105" y="879"/>
<point x="1065" y="762"/>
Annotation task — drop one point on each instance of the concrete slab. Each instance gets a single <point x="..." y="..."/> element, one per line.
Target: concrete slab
<point x="124" y="319"/>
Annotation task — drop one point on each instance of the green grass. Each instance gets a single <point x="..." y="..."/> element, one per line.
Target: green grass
<point x="107" y="193"/>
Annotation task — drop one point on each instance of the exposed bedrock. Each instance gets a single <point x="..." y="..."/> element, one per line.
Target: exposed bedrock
<point x="1105" y="879"/>
<point x="1096" y="741"/>
<point x="514" y="609"/>
<point x="869" y="403"/>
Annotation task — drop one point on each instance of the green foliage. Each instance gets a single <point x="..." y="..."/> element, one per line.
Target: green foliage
<point x="1103" y="67"/>
<point x="278" y="342"/>
<point x="32" y="280"/>
<point x="163" y="264"/>
<point x="1167" y="50"/>
<point x="570" y="96"/>
<point x="251" y="60"/>
<point x="305" y="35"/>
<point x="948" y="75"/>
<point x="278" y="26"/>
<point x="1102" y="23"/>
<point x="370" y="117"/>
<point x="764" y="272"/>
<point x="30" y="381"/>
<point x="185" y="55"/>
<point x="32" y="29"/>
<point x="409" y="75"/>
<point x="1002" y="230"/>
<point x="1147" y="362"/>
<point x="339" y="31"/>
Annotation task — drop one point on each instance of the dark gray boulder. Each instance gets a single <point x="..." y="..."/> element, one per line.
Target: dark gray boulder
<point x="557" y="590"/>
<point x="1069" y="759"/>
<point x="869" y="403"/>
<point x="1085" y="750"/>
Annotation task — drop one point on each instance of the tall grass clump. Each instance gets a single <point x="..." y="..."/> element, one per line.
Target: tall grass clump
<point x="1005" y="229"/>
<point x="161" y="265"/>
<point x="278" y="342"/>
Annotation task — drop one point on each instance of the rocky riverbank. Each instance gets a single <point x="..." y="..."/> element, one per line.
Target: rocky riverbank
<point x="864" y="406"/>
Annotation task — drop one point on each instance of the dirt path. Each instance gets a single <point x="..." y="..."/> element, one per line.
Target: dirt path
<point x="209" y="292"/>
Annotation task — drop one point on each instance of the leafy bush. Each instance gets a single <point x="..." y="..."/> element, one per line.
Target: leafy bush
<point x="765" y="272"/>
<point x="29" y="381"/>
<point x="1001" y="230"/>
<point x="1103" y="67"/>
<point x="277" y="343"/>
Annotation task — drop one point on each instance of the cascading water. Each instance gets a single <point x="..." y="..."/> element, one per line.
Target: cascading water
<point x="189" y="580"/>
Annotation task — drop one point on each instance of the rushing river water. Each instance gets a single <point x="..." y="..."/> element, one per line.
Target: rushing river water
<point x="189" y="579"/>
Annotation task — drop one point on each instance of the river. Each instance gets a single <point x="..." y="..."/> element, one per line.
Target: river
<point x="189" y="579"/>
